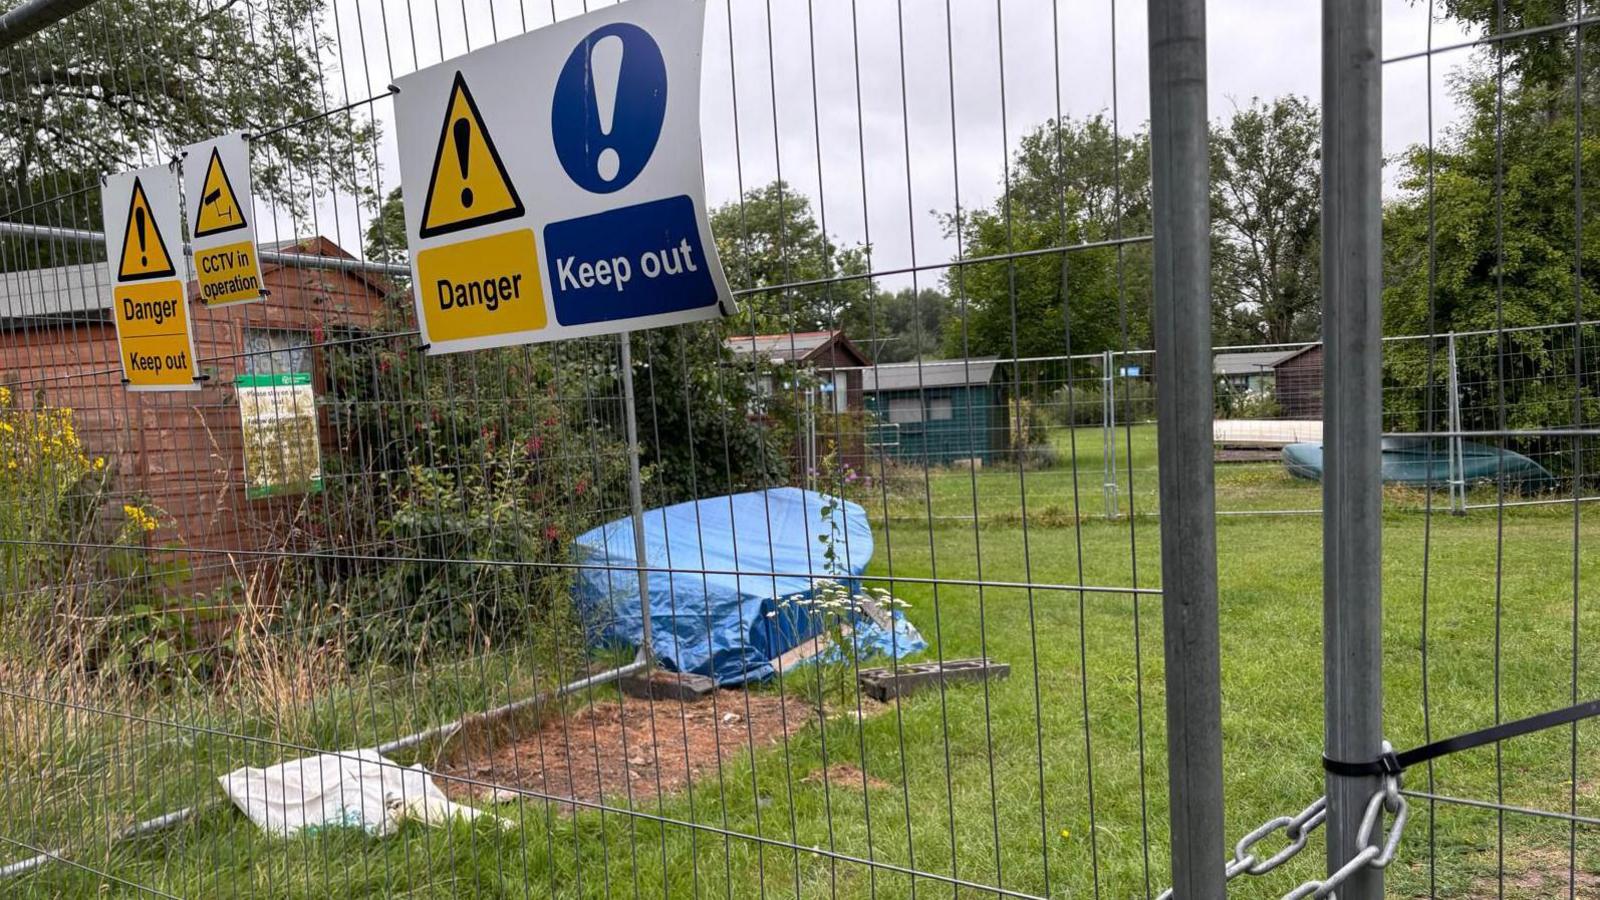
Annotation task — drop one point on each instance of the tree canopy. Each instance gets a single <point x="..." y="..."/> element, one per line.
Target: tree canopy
<point x="899" y="326"/>
<point x="770" y="238"/>
<point x="111" y="84"/>
<point x="1070" y="182"/>
<point x="1266" y="212"/>
<point x="1485" y="232"/>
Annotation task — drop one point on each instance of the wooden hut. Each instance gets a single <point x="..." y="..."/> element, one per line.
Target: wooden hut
<point x="182" y="452"/>
<point x="938" y="411"/>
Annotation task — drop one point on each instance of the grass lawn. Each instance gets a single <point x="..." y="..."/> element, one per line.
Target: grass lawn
<point x="1049" y="783"/>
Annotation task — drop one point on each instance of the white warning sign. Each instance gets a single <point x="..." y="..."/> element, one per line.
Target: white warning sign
<point x="553" y="183"/>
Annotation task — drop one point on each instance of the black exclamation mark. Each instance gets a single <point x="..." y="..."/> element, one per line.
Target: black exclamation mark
<point x="138" y="224"/>
<point x="462" y="132"/>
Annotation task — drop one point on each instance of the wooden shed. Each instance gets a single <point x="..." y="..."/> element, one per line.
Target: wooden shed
<point x="1298" y="387"/>
<point x="832" y="358"/>
<point x="819" y="372"/>
<point x="183" y="451"/>
<point x="939" y="411"/>
<point x="1248" y="372"/>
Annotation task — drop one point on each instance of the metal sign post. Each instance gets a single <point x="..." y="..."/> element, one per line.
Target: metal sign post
<point x="630" y="421"/>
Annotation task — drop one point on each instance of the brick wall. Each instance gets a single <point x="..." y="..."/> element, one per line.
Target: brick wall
<point x="183" y="451"/>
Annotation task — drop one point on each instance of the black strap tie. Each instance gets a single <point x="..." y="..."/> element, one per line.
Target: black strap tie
<point x="1395" y="763"/>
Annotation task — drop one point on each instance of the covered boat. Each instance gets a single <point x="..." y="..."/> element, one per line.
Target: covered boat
<point x="1420" y="461"/>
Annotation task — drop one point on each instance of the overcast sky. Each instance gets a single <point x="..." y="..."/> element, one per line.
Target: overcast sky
<point x="883" y="154"/>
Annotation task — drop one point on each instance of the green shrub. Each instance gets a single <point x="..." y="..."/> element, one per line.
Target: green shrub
<point x="1084" y="404"/>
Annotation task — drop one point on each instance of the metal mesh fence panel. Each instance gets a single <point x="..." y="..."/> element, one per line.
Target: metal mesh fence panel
<point x="419" y="571"/>
<point x="200" y="586"/>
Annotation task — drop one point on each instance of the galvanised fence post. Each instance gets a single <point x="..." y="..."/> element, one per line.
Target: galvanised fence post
<point x="1352" y="497"/>
<point x="1181" y="185"/>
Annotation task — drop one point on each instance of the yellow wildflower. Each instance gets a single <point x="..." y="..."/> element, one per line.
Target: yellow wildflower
<point x="140" y="518"/>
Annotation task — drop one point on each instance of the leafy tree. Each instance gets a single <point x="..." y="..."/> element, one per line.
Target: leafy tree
<point x="770" y="238"/>
<point x="901" y="325"/>
<point x="111" y="83"/>
<point x="386" y="233"/>
<point x="1502" y="216"/>
<point x="1266" y="176"/>
<point x="1484" y="235"/>
<point x="1067" y="184"/>
<point x="1540" y="60"/>
<point x="697" y="431"/>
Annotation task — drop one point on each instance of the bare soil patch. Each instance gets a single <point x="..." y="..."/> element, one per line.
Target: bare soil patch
<point x="1538" y="872"/>
<point x="1247" y="454"/>
<point x="844" y="776"/>
<point x="617" y="749"/>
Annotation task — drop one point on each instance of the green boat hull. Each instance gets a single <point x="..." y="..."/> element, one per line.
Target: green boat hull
<point x="1420" y="462"/>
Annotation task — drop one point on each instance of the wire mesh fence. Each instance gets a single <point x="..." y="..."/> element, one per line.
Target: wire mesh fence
<point x="342" y="549"/>
<point x="907" y="523"/>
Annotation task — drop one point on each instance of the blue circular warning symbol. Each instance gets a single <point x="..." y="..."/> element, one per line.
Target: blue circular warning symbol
<point x="610" y="103"/>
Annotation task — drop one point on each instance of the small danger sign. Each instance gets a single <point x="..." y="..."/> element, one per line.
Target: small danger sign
<point x="216" y="182"/>
<point x="479" y="290"/>
<point x="553" y="185"/>
<point x="469" y="185"/>
<point x="150" y="305"/>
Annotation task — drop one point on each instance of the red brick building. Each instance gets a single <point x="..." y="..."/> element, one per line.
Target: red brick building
<point x="182" y="451"/>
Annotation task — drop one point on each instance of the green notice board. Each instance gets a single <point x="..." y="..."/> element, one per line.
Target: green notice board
<point x="282" y="453"/>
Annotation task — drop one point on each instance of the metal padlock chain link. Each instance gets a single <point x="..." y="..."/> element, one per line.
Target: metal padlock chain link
<point x="1388" y="766"/>
<point x="1298" y="828"/>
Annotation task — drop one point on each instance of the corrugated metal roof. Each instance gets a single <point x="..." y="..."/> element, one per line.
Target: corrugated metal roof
<point x="1251" y="362"/>
<point x="86" y="288"/>
<point x="928" y="374"/>
<point x="58" y="291"/>
<point x="784" y="346"/>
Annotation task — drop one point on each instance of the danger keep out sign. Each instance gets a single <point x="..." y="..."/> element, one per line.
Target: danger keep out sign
<point x="150" y="305"/>
<point x="552" y="182"/>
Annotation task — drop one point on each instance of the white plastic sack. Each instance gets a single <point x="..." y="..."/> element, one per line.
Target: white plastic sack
<point x="358" y="788"/>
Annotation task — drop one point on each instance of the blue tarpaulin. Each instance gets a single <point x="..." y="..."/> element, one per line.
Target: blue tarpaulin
<point x="713" y="619"/>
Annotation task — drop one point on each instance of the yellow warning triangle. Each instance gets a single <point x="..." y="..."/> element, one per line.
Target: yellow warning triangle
<point x="469" y="185"/>
<point x="144" y="253"/>
<point x="219" y="206"/>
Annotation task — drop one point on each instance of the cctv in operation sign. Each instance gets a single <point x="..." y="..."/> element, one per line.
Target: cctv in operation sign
<point x="552" y="182"/>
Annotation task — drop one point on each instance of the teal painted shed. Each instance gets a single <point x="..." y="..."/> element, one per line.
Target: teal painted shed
<point x="940" y="411"/>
